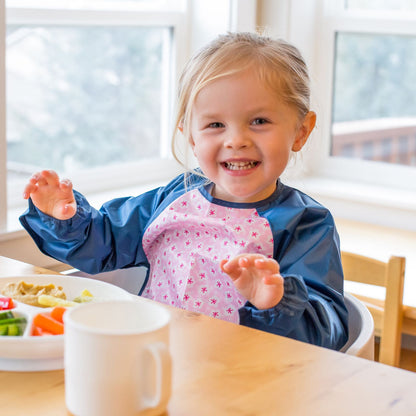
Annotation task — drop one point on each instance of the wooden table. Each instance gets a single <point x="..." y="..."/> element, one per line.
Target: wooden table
<point x="224" y="369"/>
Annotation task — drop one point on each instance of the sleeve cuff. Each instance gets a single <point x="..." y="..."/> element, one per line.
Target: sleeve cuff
<point x="291" y="305"/>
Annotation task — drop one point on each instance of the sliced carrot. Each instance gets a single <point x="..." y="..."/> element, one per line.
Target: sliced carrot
<point x="57" y="313"/>
<point x="36" y="331"/>
<point x="39" y="332"/>
<point x="49" y="324"/>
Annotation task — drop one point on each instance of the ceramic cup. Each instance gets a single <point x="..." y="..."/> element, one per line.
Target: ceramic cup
<point x="117" y="359"/>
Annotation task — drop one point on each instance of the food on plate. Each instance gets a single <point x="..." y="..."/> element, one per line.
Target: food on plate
<point x="6" y="303"/>
<point x="85" y="296"/>
<point x="58" y="313"/>
<point x="29" y="293"/>
<point x="49" y="323"/>
<point x="11" y="325"/>
<point x="40" y="295"/>
<point x="49" y="301"/>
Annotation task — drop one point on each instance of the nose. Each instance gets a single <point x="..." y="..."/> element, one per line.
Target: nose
<point x="237" y="139"/>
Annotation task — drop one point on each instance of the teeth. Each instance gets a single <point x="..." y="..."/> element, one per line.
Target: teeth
<point x="240" y="165"/>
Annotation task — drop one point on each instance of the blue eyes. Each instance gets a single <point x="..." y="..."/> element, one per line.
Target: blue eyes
<point x="255" y="122"/>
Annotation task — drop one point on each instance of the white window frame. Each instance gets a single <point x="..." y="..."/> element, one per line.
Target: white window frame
<point x="355" y="189"/>
<point x="122" y="175"/>
<point x="193" y="26"/>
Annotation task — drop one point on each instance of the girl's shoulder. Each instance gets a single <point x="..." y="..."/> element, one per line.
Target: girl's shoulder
<point x="296" y="207"/>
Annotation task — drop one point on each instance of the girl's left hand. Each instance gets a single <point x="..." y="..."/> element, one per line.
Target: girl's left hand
<point x="257" y="278"/>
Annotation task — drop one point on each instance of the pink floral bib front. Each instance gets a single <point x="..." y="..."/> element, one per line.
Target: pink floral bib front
<point x="185" y="245"/>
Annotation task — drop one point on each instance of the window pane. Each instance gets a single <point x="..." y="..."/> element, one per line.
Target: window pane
<point x="374" y="109"/>
<point x="381" y="4"/>
<point x="80" y="97"/>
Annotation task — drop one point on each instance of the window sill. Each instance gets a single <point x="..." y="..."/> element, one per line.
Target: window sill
<point x="371" y="220"/>
<point x="14" y="229"/>
<point x="372" y="204"/>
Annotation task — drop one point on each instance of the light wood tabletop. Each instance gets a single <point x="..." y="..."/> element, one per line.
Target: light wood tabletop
<point x="220" y="368"/>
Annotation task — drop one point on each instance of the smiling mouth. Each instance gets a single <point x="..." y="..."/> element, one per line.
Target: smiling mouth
<point x="240" y="165"/>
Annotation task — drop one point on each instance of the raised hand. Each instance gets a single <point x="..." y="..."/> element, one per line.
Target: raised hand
<point x="51" y="195"/>
<point x="257" y="278"/>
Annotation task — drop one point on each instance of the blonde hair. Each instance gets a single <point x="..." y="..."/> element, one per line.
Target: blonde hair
<point x="277" y="63"/>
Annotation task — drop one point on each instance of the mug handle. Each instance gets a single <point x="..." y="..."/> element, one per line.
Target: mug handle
<point x="163" y="364"/>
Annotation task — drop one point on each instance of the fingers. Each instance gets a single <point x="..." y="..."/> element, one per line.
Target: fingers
<point x="29" y="188"/>
<point x="272" y="279"/>
<point x="267" y="264"/>
<point x="259" y="262"/>
<point x="267" y="269"/>
<point x="45" y="177"/>
<point x="39" y="179"/>
<point x="65" y="185"/>
<point x="231" y="268"/>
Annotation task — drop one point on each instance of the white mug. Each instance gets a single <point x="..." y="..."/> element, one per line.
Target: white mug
<point x="117" y="359"/>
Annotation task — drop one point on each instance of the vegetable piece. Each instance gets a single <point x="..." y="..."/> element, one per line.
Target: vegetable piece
<point x="36" y="331"/>
<point x="85" y="296"/>
<point x="49" y="324"/>
<point x="6" y="315"/>
<point x="12" y="321"/>
<point x="11" y="325"/>
<point x="11" y="329"/>
<point x="6" y="303"/>
<point x="48" y="300"/>
<point x="58" y="313"/>
<point x="86" y="292"/>
<point x="14" y="330"/>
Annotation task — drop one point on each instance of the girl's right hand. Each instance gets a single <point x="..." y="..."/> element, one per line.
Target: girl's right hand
<point x="50" y="195"/>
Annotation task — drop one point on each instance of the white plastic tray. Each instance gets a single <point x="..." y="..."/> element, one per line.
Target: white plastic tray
<point x="43" y="353"/>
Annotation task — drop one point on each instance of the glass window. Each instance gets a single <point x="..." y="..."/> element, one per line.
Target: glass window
<point x="374" y="110"/>
<point x="83" y="97"/>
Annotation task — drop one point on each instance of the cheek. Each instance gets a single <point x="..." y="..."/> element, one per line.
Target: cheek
<point x="205" y="153"/>
<point x="197" y="150"/>
<point x="200" y="145"/>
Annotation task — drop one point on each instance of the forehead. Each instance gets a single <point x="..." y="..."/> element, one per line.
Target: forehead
<point x="236" y="85"/>
<point x="261" y="71"/>
<point x="243" y="91"/>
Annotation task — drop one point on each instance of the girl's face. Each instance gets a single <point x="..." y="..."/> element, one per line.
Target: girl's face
<point x="242" y="135"/>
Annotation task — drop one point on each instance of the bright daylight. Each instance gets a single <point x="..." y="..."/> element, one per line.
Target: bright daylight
<point x="208" y="207"/>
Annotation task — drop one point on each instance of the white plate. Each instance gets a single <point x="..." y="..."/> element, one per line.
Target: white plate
<point x="41" y="353"/>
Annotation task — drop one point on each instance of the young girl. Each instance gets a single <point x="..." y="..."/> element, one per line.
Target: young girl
<point x="229" y="239"/>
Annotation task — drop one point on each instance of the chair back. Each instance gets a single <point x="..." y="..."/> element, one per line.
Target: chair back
<point x="361" y="329"/>
<point x="387" y="315"/>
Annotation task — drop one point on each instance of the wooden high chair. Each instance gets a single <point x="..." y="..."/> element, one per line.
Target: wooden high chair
<point x="387" y="315"/>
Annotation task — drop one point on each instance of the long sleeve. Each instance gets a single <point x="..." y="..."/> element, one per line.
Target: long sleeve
<point x="101" y="240"/>
<point x="307" y="250"/>
<point x="93" y="240"/>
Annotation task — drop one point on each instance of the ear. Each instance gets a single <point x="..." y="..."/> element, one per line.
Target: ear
<point x="192" y="144"/>
<point x="180" y="126"/>
<point x="305" y="129"/>
<point x="190" y="140"/>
